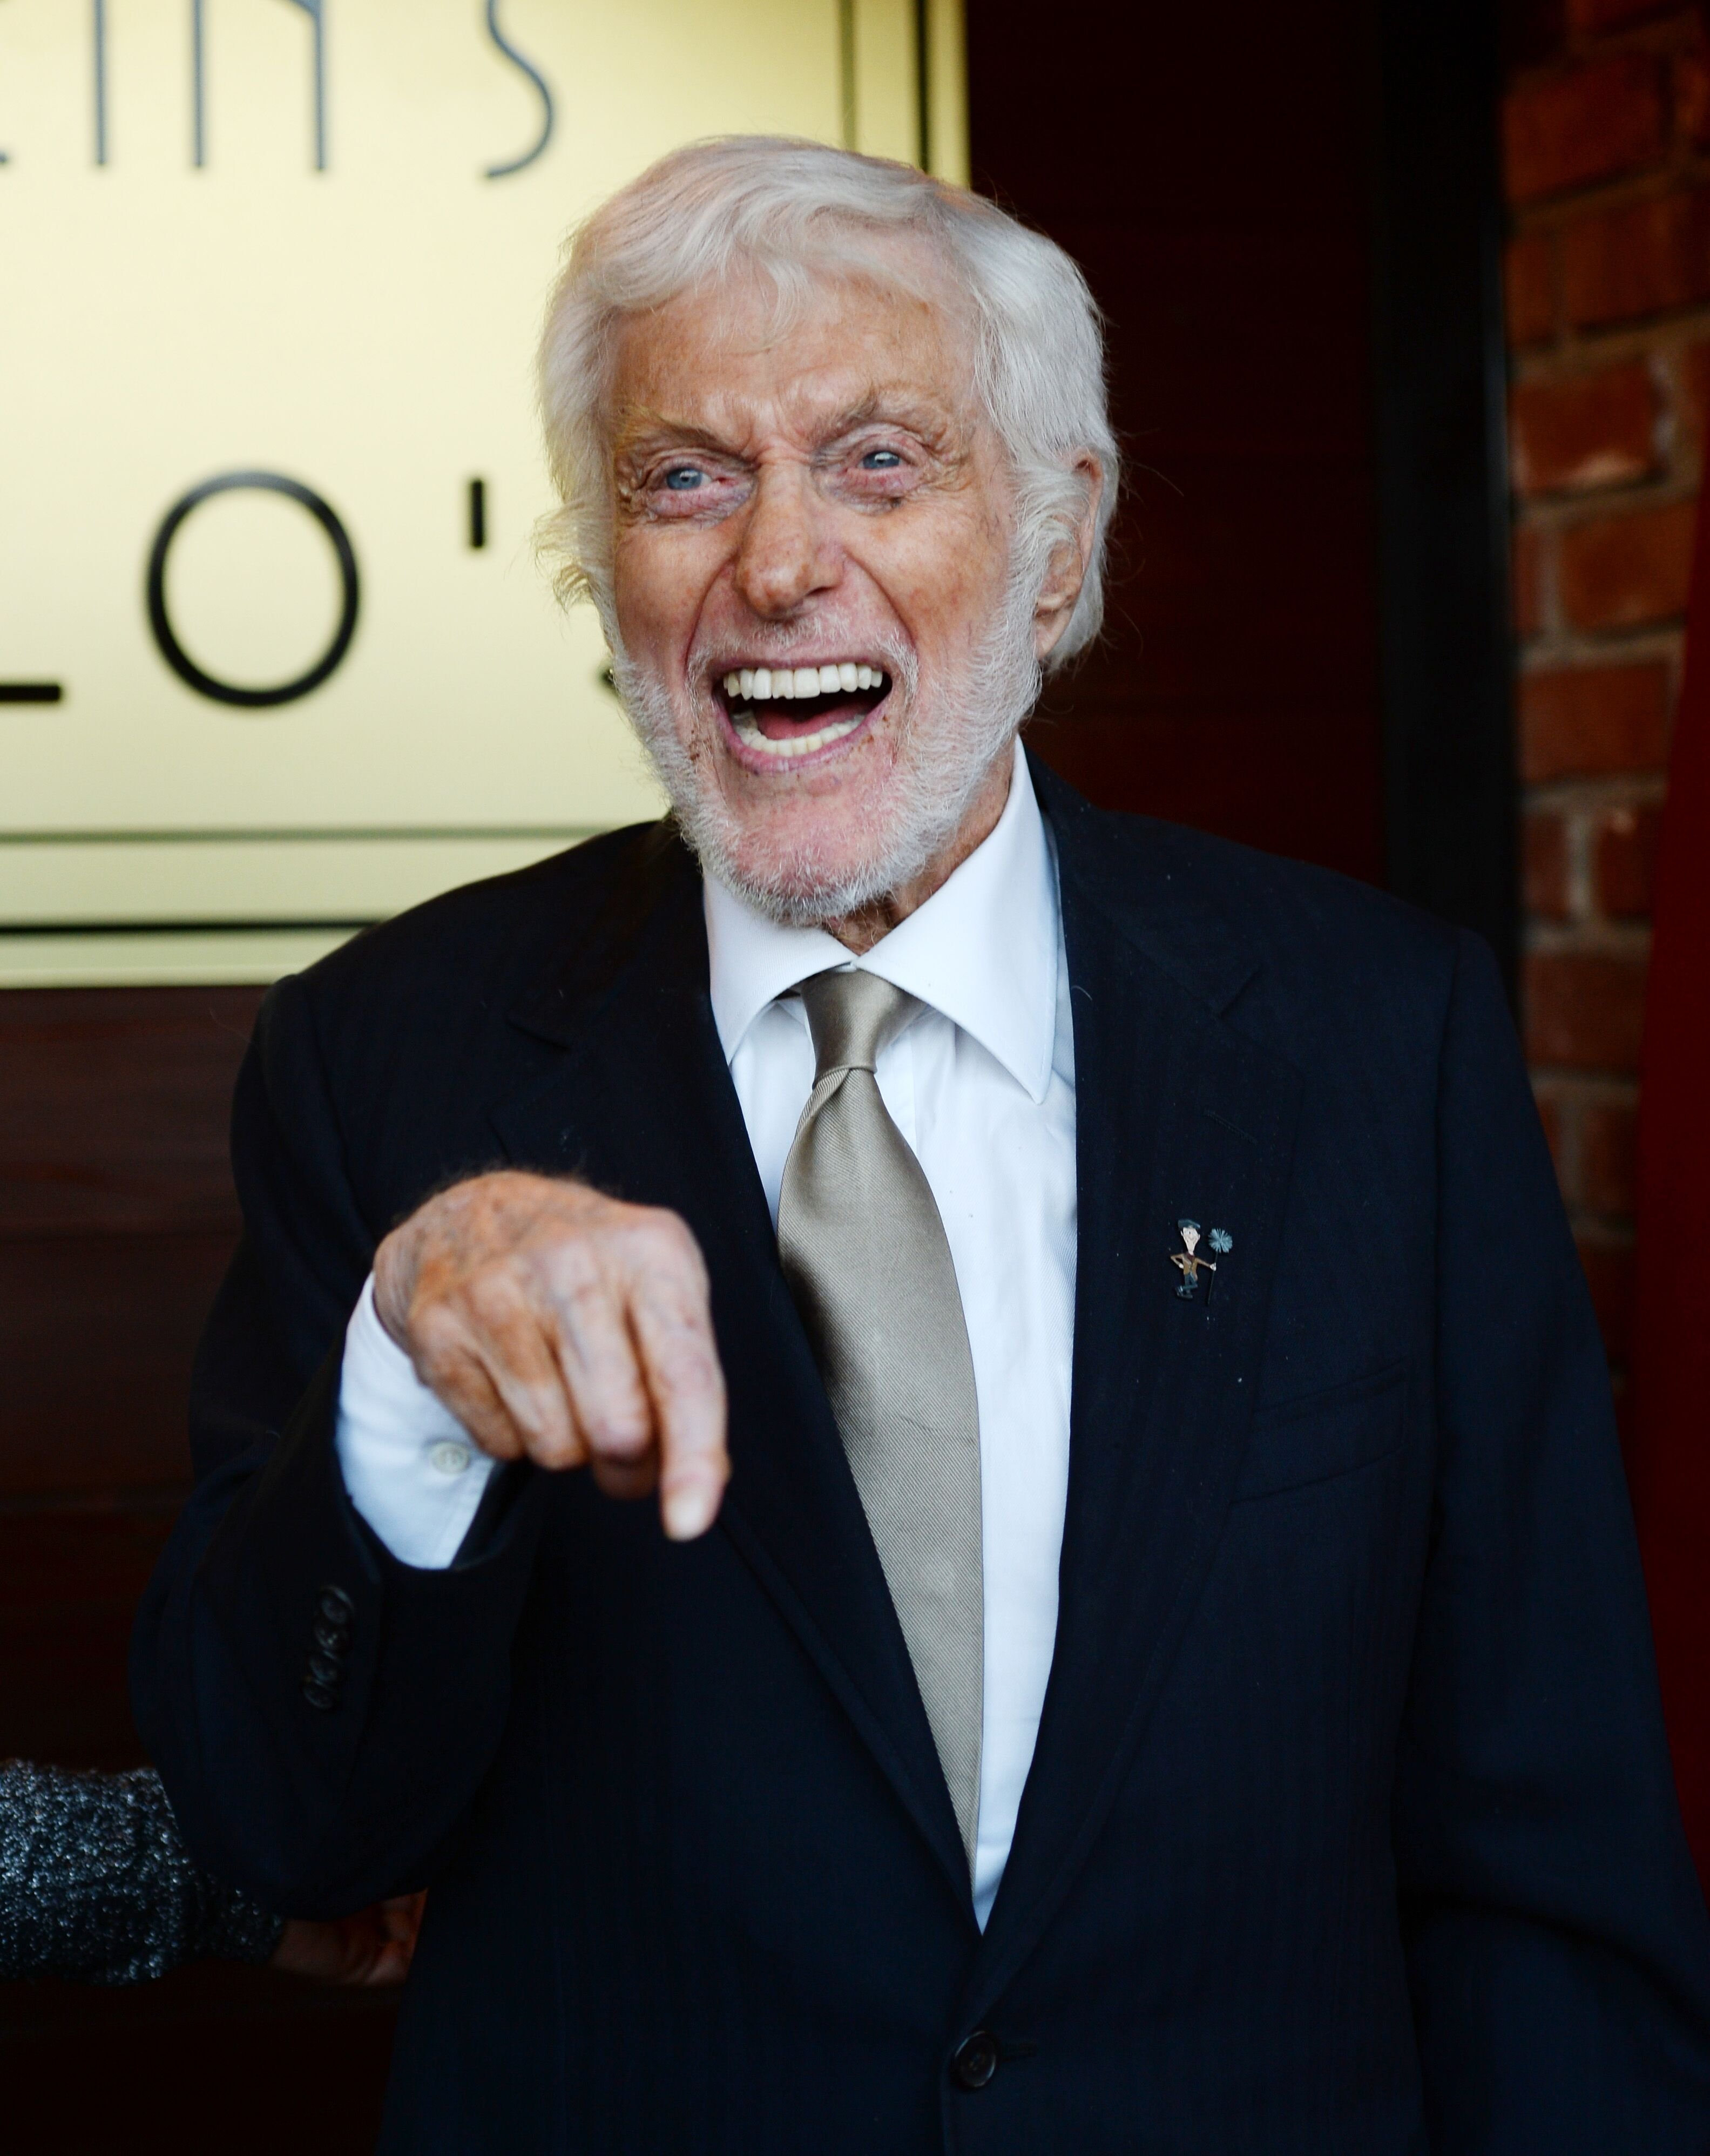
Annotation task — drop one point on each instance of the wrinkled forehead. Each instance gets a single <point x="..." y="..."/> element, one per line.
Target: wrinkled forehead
<point x="889" y="335"/>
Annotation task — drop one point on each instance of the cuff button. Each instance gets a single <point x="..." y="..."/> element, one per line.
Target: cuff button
<point x="448" y="1456"/>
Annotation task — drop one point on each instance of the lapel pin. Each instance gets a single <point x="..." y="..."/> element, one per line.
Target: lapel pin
<point x="1189" y="1262"/>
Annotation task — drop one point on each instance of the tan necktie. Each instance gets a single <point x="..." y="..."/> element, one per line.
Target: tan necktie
<point x="865" y="1252"/>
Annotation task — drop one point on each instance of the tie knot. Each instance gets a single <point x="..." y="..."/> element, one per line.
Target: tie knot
<point x="851" y="1017"/>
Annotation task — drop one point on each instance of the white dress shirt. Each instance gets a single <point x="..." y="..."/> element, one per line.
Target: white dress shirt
<point x="982" y="1086"/>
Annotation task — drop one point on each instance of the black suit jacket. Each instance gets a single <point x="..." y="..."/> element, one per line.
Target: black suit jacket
<point x="1350" y="1825"/>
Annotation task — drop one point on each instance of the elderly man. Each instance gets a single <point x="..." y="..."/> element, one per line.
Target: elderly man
<point x="1139" y="1645"/>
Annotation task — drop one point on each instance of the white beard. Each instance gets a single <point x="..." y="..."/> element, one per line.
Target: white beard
<point x="943" y="761"/>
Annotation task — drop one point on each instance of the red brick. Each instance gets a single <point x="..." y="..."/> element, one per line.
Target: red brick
<point x="1589" y="16"/>
<point x="1642" y="260"/>
<point x="1527" y="582"/>
<point x="1565" y="129"/>
<point x="1623" y="572"/>
<point x="1593" y="430"/>
<point x="1544" y="874"/>
<point x="1593" y="719"/>
<point x="1608" y="1274"/>
<point x="1585" y="1009"/>
<point x="1607" y="1130"/>
<point x="1528" y="287"/>
<point x="1626" y="862"/>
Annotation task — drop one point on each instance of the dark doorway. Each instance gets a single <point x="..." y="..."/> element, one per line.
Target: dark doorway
<point x="1271" y="204"/>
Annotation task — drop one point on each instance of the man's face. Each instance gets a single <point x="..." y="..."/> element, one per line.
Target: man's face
<point x="786" y="505"/>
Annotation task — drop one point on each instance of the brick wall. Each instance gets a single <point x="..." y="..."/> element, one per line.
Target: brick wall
<point x="1606" y="143"/>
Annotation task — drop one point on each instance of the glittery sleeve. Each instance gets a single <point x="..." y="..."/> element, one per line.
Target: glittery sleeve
<point x="96" y="1887"/>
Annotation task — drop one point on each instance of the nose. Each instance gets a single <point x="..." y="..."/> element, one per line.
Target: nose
<point x="788" y="550"/>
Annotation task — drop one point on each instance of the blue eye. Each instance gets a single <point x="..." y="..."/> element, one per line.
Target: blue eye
<point x="881" y="460"/>
<point x="682" y="478"/>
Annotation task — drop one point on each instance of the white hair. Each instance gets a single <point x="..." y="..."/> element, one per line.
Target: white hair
<point x="792" y="211"/>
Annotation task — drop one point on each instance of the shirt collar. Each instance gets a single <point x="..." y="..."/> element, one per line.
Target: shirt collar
<point x="983" y="949"/>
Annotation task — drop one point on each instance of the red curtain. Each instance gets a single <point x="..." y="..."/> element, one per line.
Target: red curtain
<point x="1669" y="1439"/>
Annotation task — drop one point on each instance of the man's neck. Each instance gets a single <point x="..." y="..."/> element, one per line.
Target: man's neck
<point x="860" y="930"/>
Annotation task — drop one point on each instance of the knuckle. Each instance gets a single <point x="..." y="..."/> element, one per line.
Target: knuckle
<point x="434" y="1331"/>
<point x="557" y="1450"/>
<point x="495" y="1434"/>
<point x="465" y="1391"/>
<point x="533" y="1407"/>
<point x="617" y="1426"/>
<point x="664" y="1238"/>
<point x="679" y="1240"/>
<point x="686" y="1355"/>
<point x="439" y="1348"/>
<point x="690" y="1379"/>
<point x="490" y="1289"/>
<point x="574" y="1273"/>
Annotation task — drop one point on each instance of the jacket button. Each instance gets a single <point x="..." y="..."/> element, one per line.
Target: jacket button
<point x="324" y="1670"/>
<point x="336" y="1606"/>
<point x="334" y="1640"/>
<point x="976" y="2060"/>
<point x="318" y="1696"/>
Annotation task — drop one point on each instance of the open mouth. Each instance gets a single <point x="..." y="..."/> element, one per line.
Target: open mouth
<point x="786" y="711"/>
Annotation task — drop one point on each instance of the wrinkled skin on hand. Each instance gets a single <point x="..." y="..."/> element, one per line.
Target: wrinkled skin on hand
<point x="567" y="1328"/>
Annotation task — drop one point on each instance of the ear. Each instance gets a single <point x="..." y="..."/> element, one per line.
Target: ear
<point x="1067" y="570"/>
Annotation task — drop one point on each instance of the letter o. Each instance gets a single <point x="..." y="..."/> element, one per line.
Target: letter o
<point x="181" y="664"/>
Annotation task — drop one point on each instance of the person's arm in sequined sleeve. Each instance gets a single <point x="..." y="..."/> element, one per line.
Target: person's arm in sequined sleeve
<point x="96" y="1887"/>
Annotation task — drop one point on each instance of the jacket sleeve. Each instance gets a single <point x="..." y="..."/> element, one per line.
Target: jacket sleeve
<point x="321" y="1713"/>
<point x="1560" y="1952"/>
<point x="95" y="1886"/>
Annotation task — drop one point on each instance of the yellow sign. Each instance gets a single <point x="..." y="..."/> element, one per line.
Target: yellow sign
<point x="275" y="656"/>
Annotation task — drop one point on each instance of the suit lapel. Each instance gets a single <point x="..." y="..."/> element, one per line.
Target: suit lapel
<point x="1178" y="1116"/>
<point x="642" y="1104"/>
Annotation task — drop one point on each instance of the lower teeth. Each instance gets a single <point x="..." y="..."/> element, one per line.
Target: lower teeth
<point x="748" y="733"/>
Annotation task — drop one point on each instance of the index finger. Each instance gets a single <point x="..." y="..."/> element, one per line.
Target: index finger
<point x="680" y="1365"/>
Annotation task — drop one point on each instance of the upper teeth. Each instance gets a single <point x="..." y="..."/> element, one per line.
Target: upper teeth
<point x="755" y="684"/>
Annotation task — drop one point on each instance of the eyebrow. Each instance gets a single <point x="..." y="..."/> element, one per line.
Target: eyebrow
<point x="924" y="419"/>
<point x="657" y="432"/>
<point x="654" y="431"/>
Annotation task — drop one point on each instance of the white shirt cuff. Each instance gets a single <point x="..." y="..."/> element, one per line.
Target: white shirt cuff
<point x="412" y="1470"/>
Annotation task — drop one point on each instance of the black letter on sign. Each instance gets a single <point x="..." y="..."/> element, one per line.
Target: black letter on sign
<point x="314" y="10"/>
<point x="534" y="75"/>
<point x="181" y="664"/>
<point x="98" y="29"/>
